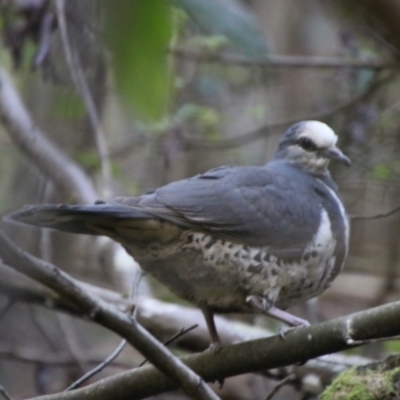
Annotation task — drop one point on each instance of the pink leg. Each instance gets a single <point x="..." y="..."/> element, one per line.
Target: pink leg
<point x="212" y="330"/>
<point x="290" y="319"/>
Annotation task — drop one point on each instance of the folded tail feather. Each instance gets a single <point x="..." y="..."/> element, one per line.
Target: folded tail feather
<point x="77" y="218"/>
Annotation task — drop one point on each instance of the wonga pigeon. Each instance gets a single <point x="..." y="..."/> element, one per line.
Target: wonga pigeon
<point x="234" y="239"/>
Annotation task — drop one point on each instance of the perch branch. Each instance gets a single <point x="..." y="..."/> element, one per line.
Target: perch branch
<point x="108" y="316"/>
<point x="27" y="137"/>
<point x="165" y="319"/>
<point x="300" y="345"/>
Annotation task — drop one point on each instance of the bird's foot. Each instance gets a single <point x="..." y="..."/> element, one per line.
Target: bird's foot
<point x="283" y="330"/>
<point x="294" y="323"/>
<point x="130" y="309"/>
<point x="215" y="347"/>
<point x="263" y="304"/>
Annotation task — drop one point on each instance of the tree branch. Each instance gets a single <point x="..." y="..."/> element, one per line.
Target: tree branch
<point x="98" y="368"/>
<point x="108" y="316"/>
<point x="51" y="161"/>
<point x="376" y="216"/>
<point x="164" y="319"/>
<point x="157" y="316"/>
<point x="5" y="394"/>
<point x="266" y="129"/>
<point x="281" y="61"/>
<point x="81" y="86"/>
<point x="273" y="352"/>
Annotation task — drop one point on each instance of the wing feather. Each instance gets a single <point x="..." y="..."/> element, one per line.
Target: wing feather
<point x="258" y="206"/>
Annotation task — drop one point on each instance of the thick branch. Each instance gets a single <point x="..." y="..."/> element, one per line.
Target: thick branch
<point x="52" y="162"/>
<point x="165" y="319"/>
<point x="106" y="315"/>
<point x="157" y="316"/>
<point x="299" y="346"/>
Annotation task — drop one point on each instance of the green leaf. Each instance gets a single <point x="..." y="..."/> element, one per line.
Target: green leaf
<point x="138" y="33"/>
<point x="230" y="19"/>
<point x="381" y="171"/>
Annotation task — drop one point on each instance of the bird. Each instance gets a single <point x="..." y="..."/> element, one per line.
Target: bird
<point x="243" y="239"/>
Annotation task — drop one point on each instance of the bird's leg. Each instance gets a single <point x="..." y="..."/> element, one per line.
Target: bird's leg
<point x="290" y="319"/>
<point x="286" y="317"/>
<point x="212" y="330"/>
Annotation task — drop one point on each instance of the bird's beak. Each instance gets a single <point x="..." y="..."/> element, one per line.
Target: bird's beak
<point x="333" y="153"/>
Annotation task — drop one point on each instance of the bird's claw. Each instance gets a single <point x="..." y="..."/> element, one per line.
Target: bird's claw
<point x="283" y="330"/>
<point x="215" y="347"/>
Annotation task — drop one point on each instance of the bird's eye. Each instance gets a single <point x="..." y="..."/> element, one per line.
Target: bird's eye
<point x="307" y="144"/>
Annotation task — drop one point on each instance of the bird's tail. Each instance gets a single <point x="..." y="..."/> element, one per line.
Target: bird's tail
<point x="94" y="219"/>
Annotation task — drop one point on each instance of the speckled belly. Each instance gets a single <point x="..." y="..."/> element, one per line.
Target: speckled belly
<point x="221" y="274"/>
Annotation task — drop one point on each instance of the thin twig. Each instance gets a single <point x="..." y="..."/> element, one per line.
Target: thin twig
<point x="53" y="359"/>
<point x="52" y="344"/>
<point x="33" y="143"/>
<point x="81" y="86"/>
<point x="267" y="129"/>
<point x="181" y="333"/>
<point x="158" y="316"/>
<point x="108" y="316"/>
<point x="281" y="61"/>
<point x="122" y="344"/>
<point x="279" y="385"/>
<point x="376" y="216"/>
<point x="300" y="345"/>
<point x="69" y="336"/>
<point x="5" y="394"/>
<point x="177" y="335"/>
<point x="255" y="134"/>
<point x="99" y="367"/>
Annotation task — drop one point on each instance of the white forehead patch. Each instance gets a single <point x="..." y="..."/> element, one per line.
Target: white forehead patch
<point x="319" y="133"/>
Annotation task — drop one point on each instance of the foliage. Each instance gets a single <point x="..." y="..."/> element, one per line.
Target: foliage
<point x="230" y="20"/>
<point x="138" y="33"/>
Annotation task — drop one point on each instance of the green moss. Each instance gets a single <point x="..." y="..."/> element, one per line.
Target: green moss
<point x="364" y="384"/>
<point x="347" y="386"/>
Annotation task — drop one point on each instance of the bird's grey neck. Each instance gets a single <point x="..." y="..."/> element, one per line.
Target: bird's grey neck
<point x="307" y="162"/>
<point x="318" y="171"/>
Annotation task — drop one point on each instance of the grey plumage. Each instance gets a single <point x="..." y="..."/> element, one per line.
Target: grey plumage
<point x="233" y="238"/>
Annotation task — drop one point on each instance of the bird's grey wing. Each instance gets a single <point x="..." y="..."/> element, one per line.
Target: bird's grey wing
<point x="251" y="205"/>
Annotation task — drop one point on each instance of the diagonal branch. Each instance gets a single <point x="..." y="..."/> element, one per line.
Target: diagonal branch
<point x="166" y="318"/>
<point x="81" y="86"/>
<point x="300" y="345"/>
<point x="108" y="316"/>
<point x="33" y="143"/>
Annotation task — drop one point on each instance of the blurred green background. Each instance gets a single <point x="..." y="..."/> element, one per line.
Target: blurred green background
<point x="139" y="93"/>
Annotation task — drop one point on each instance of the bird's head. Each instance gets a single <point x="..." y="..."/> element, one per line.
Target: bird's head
<point x="310" y="145"/>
